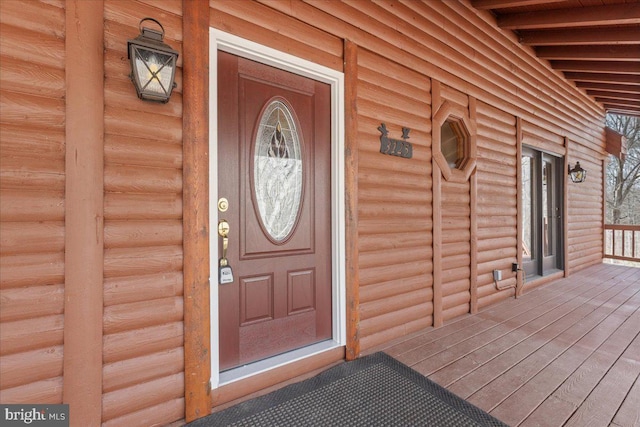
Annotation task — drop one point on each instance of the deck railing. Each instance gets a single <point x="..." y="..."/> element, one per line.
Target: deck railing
<point x="622" y="242"/>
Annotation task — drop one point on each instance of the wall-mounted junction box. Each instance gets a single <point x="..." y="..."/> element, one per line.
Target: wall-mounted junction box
<point x="497" y="275"/>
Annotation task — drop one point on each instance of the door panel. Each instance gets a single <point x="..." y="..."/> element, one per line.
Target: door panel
<point x="280" y="299"/>
<point x="542" y="215"/>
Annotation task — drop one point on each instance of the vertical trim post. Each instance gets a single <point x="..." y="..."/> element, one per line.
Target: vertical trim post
<point x="519" y="206"/>
<point x="436" y="211"/>
<point x="84" y="224"/>
<point x="195" y="129"/>
<point x="605" y="164"/>
<point x="565" y="209"/>
<point x="473" y="201"/>
<point x="351" y="197"/>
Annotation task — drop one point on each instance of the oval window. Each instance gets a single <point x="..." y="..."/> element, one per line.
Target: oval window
<point x="277" y="170"/>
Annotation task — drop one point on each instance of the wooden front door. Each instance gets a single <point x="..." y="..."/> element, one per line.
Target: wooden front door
<point x="274" y="168"/>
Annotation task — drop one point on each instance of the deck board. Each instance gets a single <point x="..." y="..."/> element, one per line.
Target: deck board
<point x="566" y="353"/>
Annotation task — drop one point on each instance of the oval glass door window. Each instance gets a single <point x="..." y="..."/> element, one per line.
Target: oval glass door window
<point x="277" y="170"/>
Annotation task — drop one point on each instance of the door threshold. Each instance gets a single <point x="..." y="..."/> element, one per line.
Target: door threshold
<point x="242" y="372"/>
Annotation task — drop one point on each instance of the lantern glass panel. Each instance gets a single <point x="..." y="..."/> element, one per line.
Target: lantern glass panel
<point x="578" y="176"/>
<point x="154" y="71"/>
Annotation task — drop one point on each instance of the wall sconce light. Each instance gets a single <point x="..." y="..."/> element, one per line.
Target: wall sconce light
<point x="577" y="174"/>
<point x="153" y="64"/>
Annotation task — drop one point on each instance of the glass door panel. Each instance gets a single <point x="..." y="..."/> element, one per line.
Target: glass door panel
<point x="528" y="212"/>
<point x="547" y="176"/>
<point x="541" y="212"/>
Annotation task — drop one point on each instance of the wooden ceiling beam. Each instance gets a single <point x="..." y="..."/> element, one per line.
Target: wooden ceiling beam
<point x="612" y="14"/>
<point x="618" y="102"/>
<point x="603" y="77"/>
<point x="625" y="111"/>
<point x="609" y="87"/>
<point x="501" y="4"/>
<point x="613" y="95"/>
<point x="615" y="67"/>
<point x="591" y="53"/>
<point x="581" y="36"/>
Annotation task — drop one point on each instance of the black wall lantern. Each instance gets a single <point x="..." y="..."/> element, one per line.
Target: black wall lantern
<point x="153" y="64"/>
<point x="577" y="174"/>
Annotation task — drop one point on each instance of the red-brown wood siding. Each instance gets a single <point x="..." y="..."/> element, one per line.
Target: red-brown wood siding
<point x="455" y="216"/>
<point x="497" y="198"/>
<point x="401" y="47"/>
<point x="394" y="202"/>
<point x="585" y="210"/>
<point x="32" y="161"/>
<point x="143" y="380"/>
<point x="454" y="44"/>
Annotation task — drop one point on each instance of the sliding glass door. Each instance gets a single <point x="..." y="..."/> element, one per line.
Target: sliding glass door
<point x="541" y="212"/>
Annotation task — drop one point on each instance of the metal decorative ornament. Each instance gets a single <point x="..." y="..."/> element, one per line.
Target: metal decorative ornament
<point x="395" y="147"/>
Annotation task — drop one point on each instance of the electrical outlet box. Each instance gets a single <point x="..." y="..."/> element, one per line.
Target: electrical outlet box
<point x="497" y="275"/>
<point x="514" y="267"/>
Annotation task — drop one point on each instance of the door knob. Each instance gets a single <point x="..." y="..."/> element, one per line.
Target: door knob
<point x="225" y="273"/>
<point x="223" y="228"/>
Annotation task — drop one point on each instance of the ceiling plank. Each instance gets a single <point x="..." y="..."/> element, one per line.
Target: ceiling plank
<point x="613" y="95"/>
<point x="501" y="4"/>
<point x="592" y="53"/>
<point x="619" y="102"/>
<point x="615" y="14"/>
<point x="579" y="36"/>
<point x="626" y="111"/>
<point x="609" y="87"/>
<point x="616" y="67"/>
<point x="603" y="78"/>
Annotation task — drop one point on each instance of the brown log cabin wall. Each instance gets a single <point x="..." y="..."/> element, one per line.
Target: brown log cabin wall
<point x="496" y="202"/>
<point x="143" y="379"/>
<point x="455" y="224"/>
<point x="143" y="354"/>
<point x="394" y="202"/>
<point x="401" y="47"/>
<point x="32" y="206"/>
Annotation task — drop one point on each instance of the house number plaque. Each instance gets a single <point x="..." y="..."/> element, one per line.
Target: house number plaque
<point x="395" y="147"/>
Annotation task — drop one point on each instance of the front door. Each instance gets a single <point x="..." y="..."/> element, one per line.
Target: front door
<point x="274" y="170"/>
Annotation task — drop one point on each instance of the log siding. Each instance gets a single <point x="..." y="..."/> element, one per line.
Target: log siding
<point x="32" y="202"/>
<point x="143" y="355"/>
<point x="420" y="249"/>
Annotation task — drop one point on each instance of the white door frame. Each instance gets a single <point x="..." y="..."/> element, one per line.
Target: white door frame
<point x="219" y="40"/>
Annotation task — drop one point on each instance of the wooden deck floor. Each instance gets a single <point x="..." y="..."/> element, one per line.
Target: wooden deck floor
<point x="567" y="353"/>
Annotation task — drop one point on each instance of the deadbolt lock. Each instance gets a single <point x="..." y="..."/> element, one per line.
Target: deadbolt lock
<point x="223" y="204"/>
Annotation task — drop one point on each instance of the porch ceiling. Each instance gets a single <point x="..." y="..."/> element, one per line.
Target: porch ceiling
<point x="595" y="43"/>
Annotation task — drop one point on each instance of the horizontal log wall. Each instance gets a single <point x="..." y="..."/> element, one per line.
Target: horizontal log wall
<point x="461" y="47"/>
<point x="496" y="205"/>
<point x="394" y="202"/>
<point x="455" y="212"/>
<point x="401" y="46"/>
<point x="585" y="210"/>
<point x="32" y="162"/>
<point x="143" y="380"/>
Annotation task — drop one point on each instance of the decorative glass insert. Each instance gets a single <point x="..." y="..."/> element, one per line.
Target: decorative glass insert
<point x="277" y="170"/>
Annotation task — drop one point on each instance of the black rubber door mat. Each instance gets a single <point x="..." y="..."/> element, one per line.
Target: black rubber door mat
<point x="375" y="390"/>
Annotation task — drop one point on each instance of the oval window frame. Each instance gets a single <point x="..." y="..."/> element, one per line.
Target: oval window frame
<point x="252" y="169"/>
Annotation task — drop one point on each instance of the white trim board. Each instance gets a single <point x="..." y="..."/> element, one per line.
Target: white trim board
<point x="219" y="40"/>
